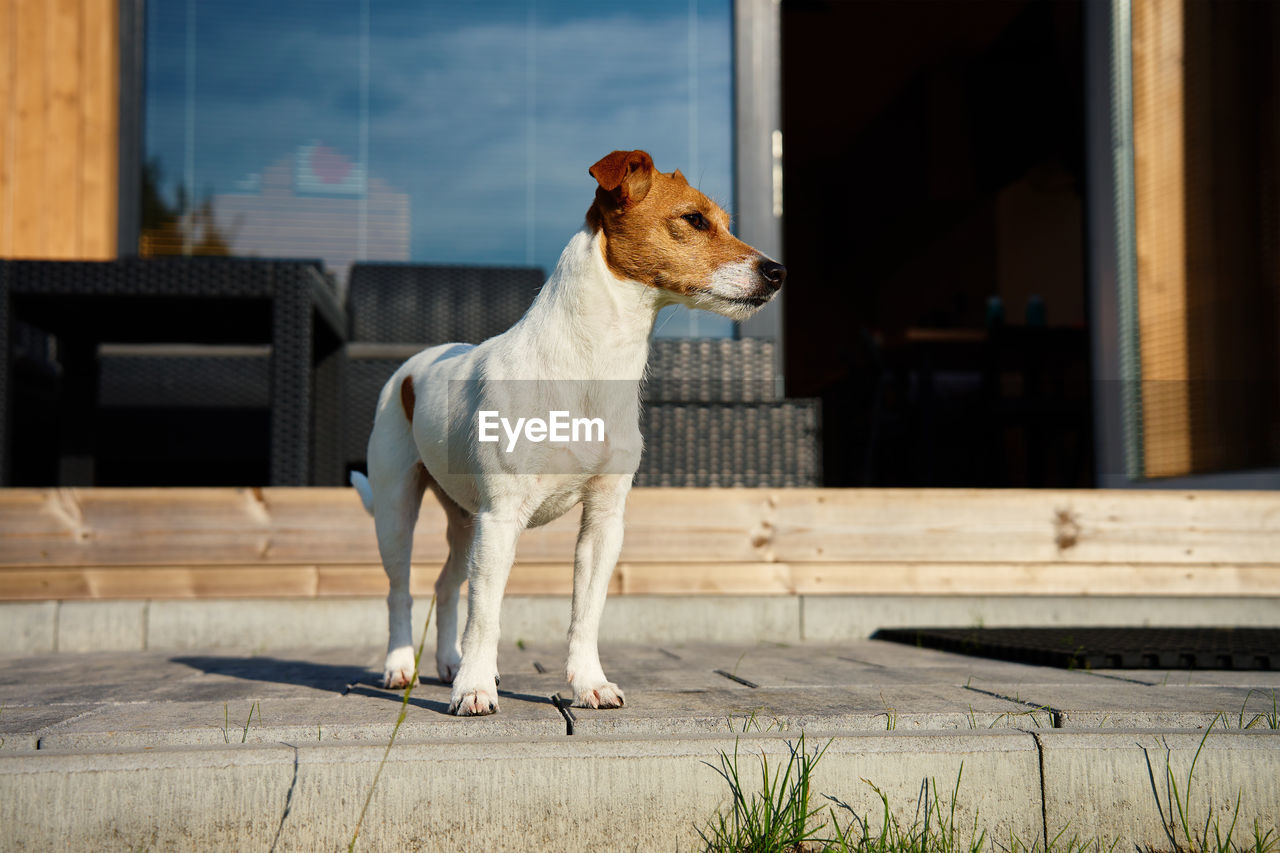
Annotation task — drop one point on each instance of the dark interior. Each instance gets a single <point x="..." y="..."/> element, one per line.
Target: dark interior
<point x="933" y="232"/>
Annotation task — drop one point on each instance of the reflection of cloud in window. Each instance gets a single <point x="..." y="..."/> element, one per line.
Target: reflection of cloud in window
<point x="488" y="125"/>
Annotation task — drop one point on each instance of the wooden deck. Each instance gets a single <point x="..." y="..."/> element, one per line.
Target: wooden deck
<point x="69" y="544"/>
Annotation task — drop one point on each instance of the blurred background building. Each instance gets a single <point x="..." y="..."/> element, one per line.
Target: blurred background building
<point x="1030" y="242"/>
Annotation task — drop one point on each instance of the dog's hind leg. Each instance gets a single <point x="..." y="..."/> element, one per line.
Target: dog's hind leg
<point x="397" y="513"/>
<point x="448" y="652"/>
<point x="397" y="481"/>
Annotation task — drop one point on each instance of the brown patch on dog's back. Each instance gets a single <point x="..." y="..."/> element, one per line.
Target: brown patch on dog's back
<point x="407" y="398"/>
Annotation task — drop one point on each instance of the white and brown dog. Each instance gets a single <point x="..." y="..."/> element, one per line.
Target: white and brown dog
<point x="650" y="240"/>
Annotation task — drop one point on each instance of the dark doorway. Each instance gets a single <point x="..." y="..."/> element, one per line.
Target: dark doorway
<point x="934" y="236"/>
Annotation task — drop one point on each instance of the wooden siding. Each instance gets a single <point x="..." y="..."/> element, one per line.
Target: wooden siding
<point x="59" y="122"/>
<point x="1206" y="204"/>
<point x="1159" y="160"/>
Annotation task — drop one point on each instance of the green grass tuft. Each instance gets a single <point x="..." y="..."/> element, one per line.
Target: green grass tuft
<point x="781" y="815"/>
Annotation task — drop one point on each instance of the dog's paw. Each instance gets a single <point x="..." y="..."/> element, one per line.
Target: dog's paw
<point x="448" y="662"/>
<point x="474" y="703"/>
<point x="398" y="671"/>
<point x="606" y="695"/>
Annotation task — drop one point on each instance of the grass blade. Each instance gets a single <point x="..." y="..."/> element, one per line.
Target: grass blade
<point x="404" y="710"/>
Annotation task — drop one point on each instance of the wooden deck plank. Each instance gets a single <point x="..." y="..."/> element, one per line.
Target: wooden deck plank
<point x="160" y="543"/>
<point x="1017" y="525"/>
<point x="988" y="579"/>
<point x="134" y="527"/>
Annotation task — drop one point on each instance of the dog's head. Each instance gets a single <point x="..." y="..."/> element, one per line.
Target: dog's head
<point x="662" y="232"/>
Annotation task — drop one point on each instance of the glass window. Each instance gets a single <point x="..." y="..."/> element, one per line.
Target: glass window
<point x="436" y="132"/>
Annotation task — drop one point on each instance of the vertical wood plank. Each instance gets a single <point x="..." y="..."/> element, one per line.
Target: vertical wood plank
<point x="8" y="111"/>
<point x="1160" y="221"/>
<point x="28" y="132"/>
<point x="61" y="208"/>
<point x="100" y="85"/>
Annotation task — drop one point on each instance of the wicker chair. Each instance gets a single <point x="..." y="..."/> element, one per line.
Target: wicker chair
<point x="714" y="415"/>
<point x="714" y="412"/>
<point x="399" y="309"/>
<point x="283" y="324"/>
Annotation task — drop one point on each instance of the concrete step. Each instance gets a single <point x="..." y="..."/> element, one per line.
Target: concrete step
<point x="232" y="750"/>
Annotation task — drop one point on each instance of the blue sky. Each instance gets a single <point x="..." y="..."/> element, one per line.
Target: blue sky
<point x="488" y="123"/>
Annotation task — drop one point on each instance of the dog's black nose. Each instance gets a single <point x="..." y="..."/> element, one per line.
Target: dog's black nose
<point x="773" y="272"/>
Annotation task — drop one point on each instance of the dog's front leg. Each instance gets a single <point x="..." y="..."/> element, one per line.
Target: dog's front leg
<point x="599" y="543"/>
<point x="493" y="549"/>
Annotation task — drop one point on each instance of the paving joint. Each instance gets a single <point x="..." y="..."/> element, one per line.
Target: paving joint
<point x="737" y="678"/>
<point x="563" y="708"/>
<point x="1056" y="716"/>
<point x="1044" y="808"/>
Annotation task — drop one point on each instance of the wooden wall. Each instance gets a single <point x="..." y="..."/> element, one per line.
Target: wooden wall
<point x="1207" y="185"/>
<point x="1160" y="210"/>
<point x="58" y="128"/>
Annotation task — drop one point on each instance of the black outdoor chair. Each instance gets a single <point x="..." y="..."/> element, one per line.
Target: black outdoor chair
<point x="398" y="310"/>
<point x="714" y="415"/>
<point x="172" y="371"/>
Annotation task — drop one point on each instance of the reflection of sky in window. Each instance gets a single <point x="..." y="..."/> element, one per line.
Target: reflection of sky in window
<point x="486" y="114"/>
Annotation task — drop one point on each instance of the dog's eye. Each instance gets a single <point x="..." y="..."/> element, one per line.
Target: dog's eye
<point x="697" y="220"/>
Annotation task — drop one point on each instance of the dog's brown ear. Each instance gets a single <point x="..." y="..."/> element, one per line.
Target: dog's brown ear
<point x="624" y="176"/>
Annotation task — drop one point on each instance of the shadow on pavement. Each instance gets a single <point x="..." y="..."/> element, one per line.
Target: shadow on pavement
<point x="336" y="678"/>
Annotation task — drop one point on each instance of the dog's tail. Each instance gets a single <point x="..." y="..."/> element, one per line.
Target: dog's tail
<point x="361" y="482"/>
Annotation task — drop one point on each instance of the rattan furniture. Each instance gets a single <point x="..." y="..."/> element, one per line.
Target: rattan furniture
<point x="288" y="305"/>
<point x="715" y="415"/>
<point x="399" y="309"/>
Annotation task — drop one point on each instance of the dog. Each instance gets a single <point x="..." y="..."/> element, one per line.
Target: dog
<point x="649" y="240"/>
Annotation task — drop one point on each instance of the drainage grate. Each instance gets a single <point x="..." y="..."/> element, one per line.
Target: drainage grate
<point x="1105" y="648"/>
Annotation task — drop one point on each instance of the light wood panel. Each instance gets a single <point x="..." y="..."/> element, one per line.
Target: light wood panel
<point x="1016" y="525"/>
<point x="282" y="526"/>
<point x="8" y="66"/>
<point x="1205" y="181"/>
<point x="59" y="108"/>
<point x="683" y="579"/>
<point x="1159" y="159"/>
<point x="226" y="543"/>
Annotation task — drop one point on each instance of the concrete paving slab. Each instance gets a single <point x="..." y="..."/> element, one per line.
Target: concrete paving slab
<point x="1267" y="680"/>
<point x="532" y="794"/>
<point x="1117" y="704"/>
<point x="28" y="627"/>
<point x="801" y="667"/>
<point x="267" y="624"/>
<point x="271" y="624"/>
<point x="836" y="618"/>
<point x="20" y="725"/>
<point x="742" y="709"/>
<point x="142" y="749"/>
<point x="157" y="677"/>
<point x="1117" y="784"/>
<point x="94" y="626"/>
<point x="364" y="715"/>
